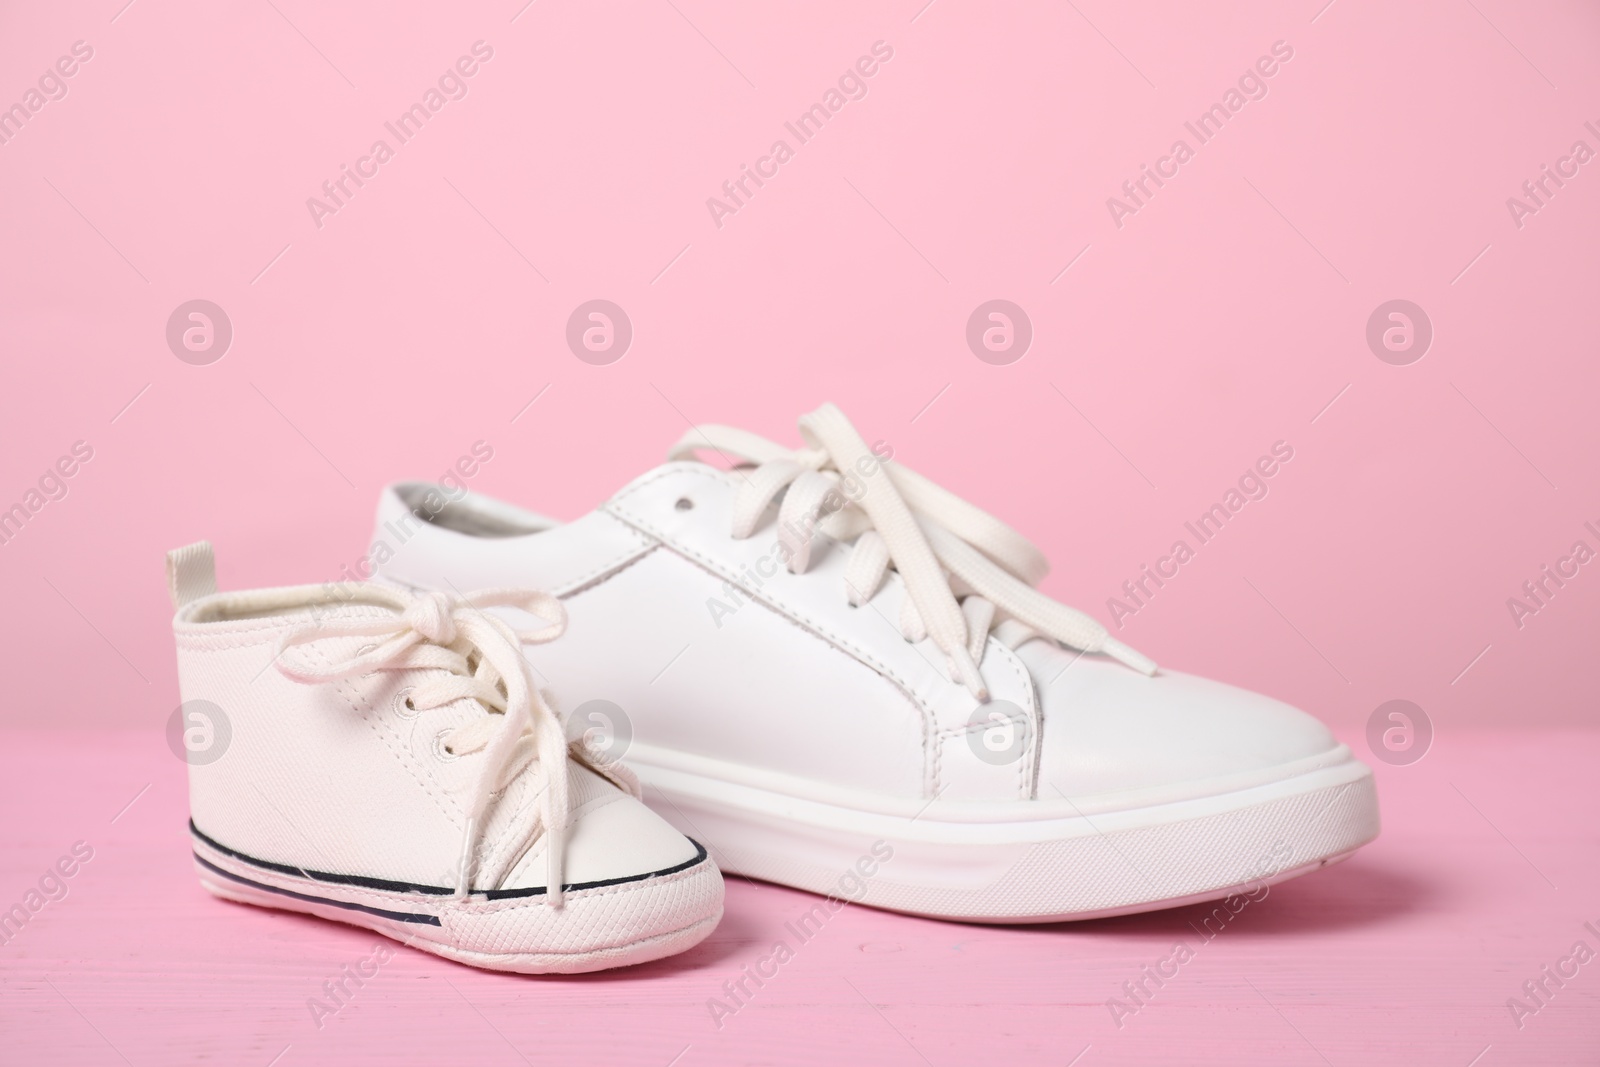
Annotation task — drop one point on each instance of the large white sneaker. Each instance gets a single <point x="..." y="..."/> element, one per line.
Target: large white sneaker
<point x="382" y="759"/>
<point x="840" y="677"/>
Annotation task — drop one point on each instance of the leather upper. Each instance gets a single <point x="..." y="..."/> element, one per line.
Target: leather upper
<point x="1109" y="729"/>
<point x="716" y="652"/>
<point x="342" y="777"/>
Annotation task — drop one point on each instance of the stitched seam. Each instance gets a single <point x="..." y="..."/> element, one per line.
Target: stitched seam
<point x="640" y="558"/>
<point x="391" y="740"/>
<point x="1025" y="763"/>
<point x="930" y="752"/>
<point x="838" y="641"/>
<point x="922" y="714"/>
<point x="263" y="629"/>
<point x="1030" y="759"/>
<point x="222" y="642"/>
<point x="496" y="852"/>
<point x="812" y="626"/>
<point x="527" y="804"/>
<point x="933" y="750"/>
<point x="534" y="852"/>
<point x="618" y="563"/>
<point x="514" y="903"/>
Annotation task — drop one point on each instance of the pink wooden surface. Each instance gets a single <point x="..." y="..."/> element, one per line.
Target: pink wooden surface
<point x="1487" y="870"/>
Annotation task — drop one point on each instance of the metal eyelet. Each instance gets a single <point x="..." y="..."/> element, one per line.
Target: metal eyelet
<point x="403" y="705"/>
<point x="684" y="504"/>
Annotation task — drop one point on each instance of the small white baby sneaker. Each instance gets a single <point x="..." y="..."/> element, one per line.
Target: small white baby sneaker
<point x="385" y="760"/>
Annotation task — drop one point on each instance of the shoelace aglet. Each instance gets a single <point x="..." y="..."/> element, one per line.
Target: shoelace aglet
<point x="463" y="874"/>
<point x="1123" y="654"/>
<point x="555" y="894"/>
<point x="967" y="673"/>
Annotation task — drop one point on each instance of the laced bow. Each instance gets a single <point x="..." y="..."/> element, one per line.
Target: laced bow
<point x="477" y="657"/>
<point x="964" y="570"/>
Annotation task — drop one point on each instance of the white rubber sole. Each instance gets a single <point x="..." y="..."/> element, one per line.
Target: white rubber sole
<point x="597" y="927"/>
<point x="983" y="863"/>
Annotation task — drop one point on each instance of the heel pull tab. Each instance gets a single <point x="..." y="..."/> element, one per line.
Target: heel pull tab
<point x="191" y="573"/>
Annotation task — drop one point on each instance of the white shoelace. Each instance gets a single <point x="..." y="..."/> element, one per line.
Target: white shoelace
<point x="965" y="571"/>
<point x="479" y="658"/>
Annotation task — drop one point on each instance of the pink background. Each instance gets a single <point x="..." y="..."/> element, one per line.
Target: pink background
<point x="1224" y="316"/>
<point x="1194" y="337"/>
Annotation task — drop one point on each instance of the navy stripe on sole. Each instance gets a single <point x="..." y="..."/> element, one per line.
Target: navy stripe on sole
<point x="397" y="916"/>
<point x="388" y="886"/>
